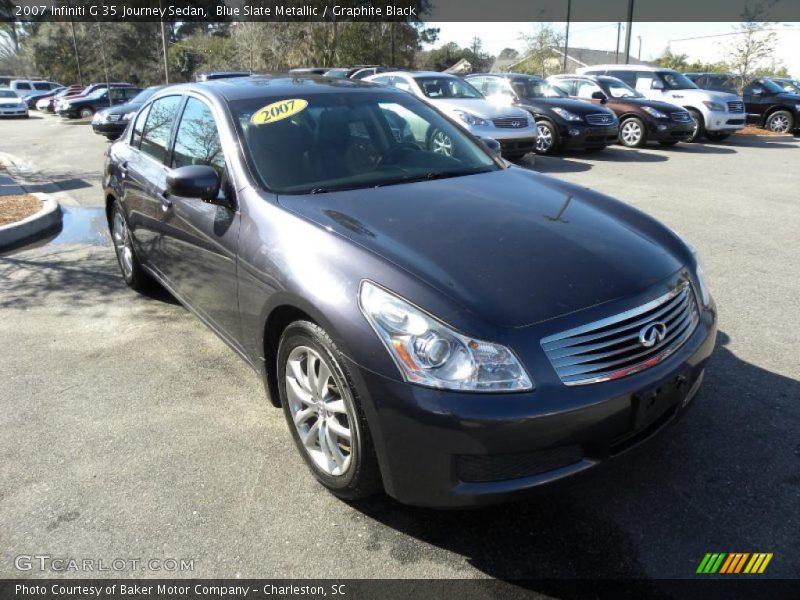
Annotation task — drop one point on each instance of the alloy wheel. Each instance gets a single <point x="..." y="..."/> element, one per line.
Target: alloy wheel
<point x="631" y="133"/>
<point x="319" y="411"/>
<point x="779" y="123"/>
<point x="122" y="244"/>
<point x="441" y="143"/>
<point x="86" y="113"/>
<point x="544" y="139"/>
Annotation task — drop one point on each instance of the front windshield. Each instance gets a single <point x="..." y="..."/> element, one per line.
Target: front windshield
<point x="536" y="88"/>
<point x="333" y="142"/>
<point x="8" y="94"/>
<point x="617" y="88"/>
<point x="142" y="96"/>
<point x="772" y="87"/>
<point x="446" y="87"/>
<point x="677" y="81"/>
<point x="337" y="73"/>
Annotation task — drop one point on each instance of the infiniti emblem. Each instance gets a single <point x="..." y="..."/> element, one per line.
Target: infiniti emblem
<point x="652" y="334"/>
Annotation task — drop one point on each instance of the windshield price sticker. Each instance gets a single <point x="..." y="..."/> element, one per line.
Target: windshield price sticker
<point x="278" y="111"/>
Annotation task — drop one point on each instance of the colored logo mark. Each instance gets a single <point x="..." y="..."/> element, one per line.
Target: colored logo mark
<point x="735" y="562"/>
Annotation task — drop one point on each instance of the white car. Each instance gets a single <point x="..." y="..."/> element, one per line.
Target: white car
<point x="716" y="114"/>
<point x="12" y="105"/>
<point x="514" y="128"/>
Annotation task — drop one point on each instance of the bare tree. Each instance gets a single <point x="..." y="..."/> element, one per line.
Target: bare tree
<point x="753" y="44"/>
<point x="542" y="52"/>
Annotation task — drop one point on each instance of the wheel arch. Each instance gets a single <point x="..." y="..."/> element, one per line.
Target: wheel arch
<point x="773" y="109"/>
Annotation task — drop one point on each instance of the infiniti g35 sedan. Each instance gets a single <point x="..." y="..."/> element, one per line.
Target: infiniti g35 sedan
<point x="447" y="328"/>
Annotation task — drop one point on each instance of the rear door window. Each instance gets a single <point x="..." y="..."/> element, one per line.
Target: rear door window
<point x="23" y="86"/>
<point x="628" y="77"/>
<point x="158" y="127"/>
<point x="42" y="87"/>
<point x="138" y="127"/>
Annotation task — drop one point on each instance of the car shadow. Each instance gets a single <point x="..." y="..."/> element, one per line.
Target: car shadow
<point x="619" y="154"/>
<point x="763" y="141"/>
<point x="698" y="148"/>
<point x="554" y="164"/>
<point x="650" y="514"/>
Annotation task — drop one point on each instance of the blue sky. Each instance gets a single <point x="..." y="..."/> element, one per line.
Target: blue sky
<point x="703" y="41"/>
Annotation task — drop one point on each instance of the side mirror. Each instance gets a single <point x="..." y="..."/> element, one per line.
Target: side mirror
<point x="493" y="146"/>
<point x="194" y="181"/>
<point x="598" y="95"/>
<point x="657" y="84"/>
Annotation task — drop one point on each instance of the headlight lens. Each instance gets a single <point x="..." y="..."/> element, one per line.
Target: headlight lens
<point x="655" y="113"/>
<point x="699" y="271"/>
<point x="430" y="353"/>
<point x="566" y="115"/>
<point x="714" y="105"/>
<point x="470" y="119"/>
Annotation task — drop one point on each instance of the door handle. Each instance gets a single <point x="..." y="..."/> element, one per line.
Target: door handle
<point x="123" y="170"/>
<point x="166" y="203"/>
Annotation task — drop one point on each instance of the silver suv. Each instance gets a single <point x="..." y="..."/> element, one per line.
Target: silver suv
<point x="715" y="114"/>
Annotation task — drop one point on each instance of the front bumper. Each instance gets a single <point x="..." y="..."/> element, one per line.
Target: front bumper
<point x="439" y="448"/>
<point x="581" y="135"/>
<point x="724" y="121"/>
<point x="109" y="128"/>
<point x="13" y="112"/>
<point x="669" y="131"/>
<point x="512" y="140"/>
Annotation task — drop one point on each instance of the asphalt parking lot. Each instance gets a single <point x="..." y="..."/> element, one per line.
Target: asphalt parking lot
<point x="130" y="430"/>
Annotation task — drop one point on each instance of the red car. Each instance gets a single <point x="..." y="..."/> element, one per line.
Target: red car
<point x="46" y="103"/>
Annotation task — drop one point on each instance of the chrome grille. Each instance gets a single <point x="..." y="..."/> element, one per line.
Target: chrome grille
<point x="511" y="122"/>
<point x="611" y="348"/>
<point x="600" y="119"/>
<point x="681" y="116"/>
<point x="736" y="107"/>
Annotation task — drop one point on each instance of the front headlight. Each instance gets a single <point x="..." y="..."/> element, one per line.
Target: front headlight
<point x="471" y="119"/>
<point x="430" y="353"/>
<point x="566" y="115"/>
<point x="714" y="105"/>
<point x="655" y="113"/>
<point x="699" y="270"/>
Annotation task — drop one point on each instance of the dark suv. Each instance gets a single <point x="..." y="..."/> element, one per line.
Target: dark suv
<point x="562" y="121"/>
<point x="767" y="102"/>
<point x="640" y="119"/>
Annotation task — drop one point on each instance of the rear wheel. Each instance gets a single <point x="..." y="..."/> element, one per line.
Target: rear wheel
<point x="86" y="112"/>
<point x="323" y="412"/>
<point x="440" y="143"/>
<point x="781" y="121"/>
<point x="132" y="271"/>
<point x="632" y="133"/>
<point x="699" y="125"/>
<point x="546" y="138"/>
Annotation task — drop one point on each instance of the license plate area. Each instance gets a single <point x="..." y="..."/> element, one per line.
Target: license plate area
<point x="652" y="403"/>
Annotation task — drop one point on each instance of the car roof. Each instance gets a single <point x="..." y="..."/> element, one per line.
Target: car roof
<point x="505" y="75"/>
<point x="279" y="85"/>
<point x="614" y="67"/>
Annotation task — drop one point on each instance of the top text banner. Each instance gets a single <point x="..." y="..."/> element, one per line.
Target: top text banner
<point x="402" y="10"/>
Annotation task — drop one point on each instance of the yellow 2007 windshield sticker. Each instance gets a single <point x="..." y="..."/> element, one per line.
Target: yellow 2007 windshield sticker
<point x="276" y="111"/>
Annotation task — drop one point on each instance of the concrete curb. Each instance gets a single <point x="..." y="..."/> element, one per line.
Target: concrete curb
<point x="47" y="219"/>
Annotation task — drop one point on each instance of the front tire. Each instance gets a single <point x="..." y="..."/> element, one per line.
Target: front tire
<point x="699" y="125"/>
<point x="132" y="272"/>
<point x="781" y="121"/>
<point x="323" y="412"/>
<point x="86" y="113"/>
<point x="546" y="138"/>
<point x="632" y="133"/>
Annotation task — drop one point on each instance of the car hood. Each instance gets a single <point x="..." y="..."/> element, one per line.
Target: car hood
<point x="513" y="247"/>
<point x="123" y="109"/>
<point x="10" y="101"/>
<point x="477" y="106"/>
<point x="578" y="107"/>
